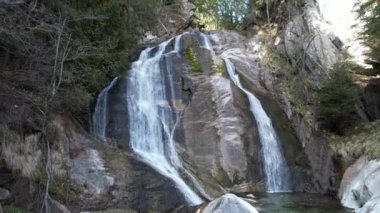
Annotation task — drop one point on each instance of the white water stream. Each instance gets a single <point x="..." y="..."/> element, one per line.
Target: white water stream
<point x="100" y="115"/>
<point x="277" y="174"/>
<point x="150" y="116"/>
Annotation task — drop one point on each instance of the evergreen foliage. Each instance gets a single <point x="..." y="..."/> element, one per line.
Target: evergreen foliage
<point x="109" y="29"/>
<point x="337" y="99"/>
<point x="234" y="14"/>
<point x="369" y="13"/>
<point x="221" y="14"/>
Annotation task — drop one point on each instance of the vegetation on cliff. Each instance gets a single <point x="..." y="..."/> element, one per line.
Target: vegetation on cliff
<point x="55" y="56"/>
<point x="67" y="49"/>
<point x="337" y="99"/>
<point x="369" y="13"/>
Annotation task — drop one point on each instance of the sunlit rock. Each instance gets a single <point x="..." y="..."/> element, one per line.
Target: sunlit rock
<point x="360" y="187"/>
<point x="228" y="203"/>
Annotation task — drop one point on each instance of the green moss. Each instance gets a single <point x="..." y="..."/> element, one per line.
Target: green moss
<point x="191" y="56"/>
<point x="221" y="176"/>
<point x="222" y="70"/>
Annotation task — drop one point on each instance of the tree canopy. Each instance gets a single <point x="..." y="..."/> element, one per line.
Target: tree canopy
<point x="232" y="14"/>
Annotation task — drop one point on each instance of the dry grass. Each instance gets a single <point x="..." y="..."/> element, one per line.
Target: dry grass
<point x="20" y="154"/>
<point x="364" y="139"/>
<point x="24" y="154"/>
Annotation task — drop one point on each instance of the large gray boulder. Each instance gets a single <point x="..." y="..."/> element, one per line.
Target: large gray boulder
<point x="360" y="187"/>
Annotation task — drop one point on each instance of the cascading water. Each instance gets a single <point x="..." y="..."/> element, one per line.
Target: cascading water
<point x="152" y="120"/>
<point x="205" y="42"/>
<point x="99" y="117"/>
<point x="277" y="173"/>
<point x="150" y="116"/>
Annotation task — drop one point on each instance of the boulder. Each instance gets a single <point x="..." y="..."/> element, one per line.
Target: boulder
<point x="360" y="187"/>
<point x="228" y="203"/>
<point x="4" y="194"/>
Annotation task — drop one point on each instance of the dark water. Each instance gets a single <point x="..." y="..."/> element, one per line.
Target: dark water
<point x="298" y="203"/>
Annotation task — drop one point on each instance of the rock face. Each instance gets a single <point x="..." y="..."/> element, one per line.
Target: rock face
<point x="372" y="98"/>
<point x="219" y="140"/>
<point x="177" y="18"/>
<point x="360" y="187"/>
<point x="117" y="125"/>
<point x="308" y="155"/>
<point x="309" y="43"/>
<point x="105" y="176"/>
<point x="216" y="136"/>
<point x="88" y="169"/>
<point x="228" y="203"/>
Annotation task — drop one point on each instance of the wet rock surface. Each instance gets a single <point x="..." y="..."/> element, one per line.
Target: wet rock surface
<point x="315" y="172"/>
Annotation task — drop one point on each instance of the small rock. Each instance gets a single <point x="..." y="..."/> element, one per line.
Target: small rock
<point x="229" y="203"/>
<point x="4" y="194"/>
<point x="251" y="196"/>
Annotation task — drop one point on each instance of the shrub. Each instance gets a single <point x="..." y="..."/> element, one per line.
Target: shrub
<point x="337" y="99"/>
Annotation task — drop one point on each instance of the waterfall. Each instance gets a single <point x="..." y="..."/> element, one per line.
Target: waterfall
<point x="276" y="170"/>
<point x="205" y="42"/>
<point x="99" y="117"/>
<point x="151" y="117"/>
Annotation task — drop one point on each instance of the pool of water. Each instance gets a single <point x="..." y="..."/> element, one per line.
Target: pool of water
<point x="298" y="203"/>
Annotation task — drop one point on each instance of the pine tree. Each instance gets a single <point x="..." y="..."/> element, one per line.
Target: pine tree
<point x="369" y="13"/>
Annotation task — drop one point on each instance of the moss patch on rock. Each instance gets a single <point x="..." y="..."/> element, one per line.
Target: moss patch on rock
<point x="222" y="70"/>
<point x="221" y="176"/>
<point x="191" y="56"/>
